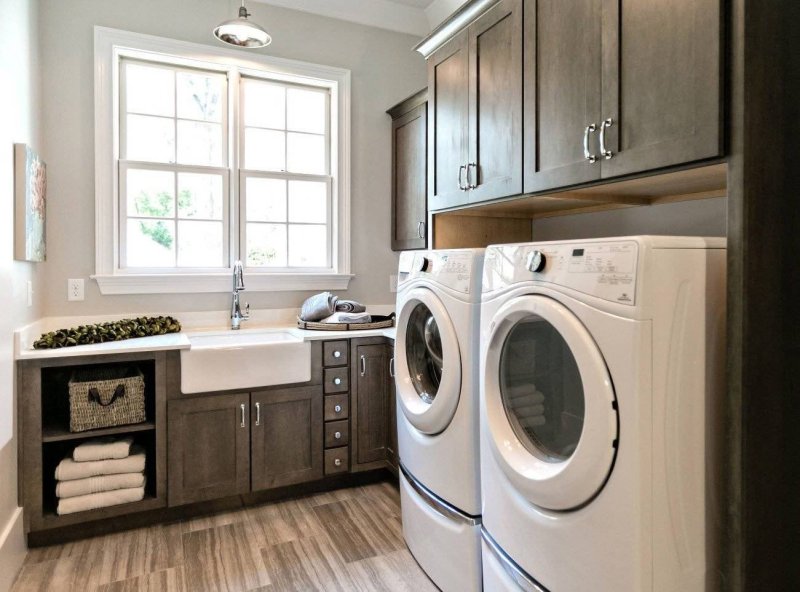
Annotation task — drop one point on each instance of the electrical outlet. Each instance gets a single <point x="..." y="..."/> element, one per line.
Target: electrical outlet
<point x="393" y="283"/>
<point x="75" y="289"/>
<point x="30" y="293"/>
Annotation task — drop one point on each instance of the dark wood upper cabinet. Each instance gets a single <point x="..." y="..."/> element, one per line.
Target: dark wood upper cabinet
<point x="370" y="417"/>
<point x="495" y="103"/>
<point x="448" y="123"/>
<point x="662" y="83"/>
<point x="287" y="433"/>
<point x="209" y="447"/>
<point x="410" y="173"/>
<point x="563" y="91"/>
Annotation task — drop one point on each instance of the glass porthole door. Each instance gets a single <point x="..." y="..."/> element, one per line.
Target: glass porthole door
<point x="550" y="404"/>
<point x="428" y="362"/>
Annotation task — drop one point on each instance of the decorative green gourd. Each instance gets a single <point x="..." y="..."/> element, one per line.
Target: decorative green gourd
<point x="105" y="332"/>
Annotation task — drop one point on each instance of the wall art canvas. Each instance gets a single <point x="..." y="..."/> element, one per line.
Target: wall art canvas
<point x="30" y="204"/>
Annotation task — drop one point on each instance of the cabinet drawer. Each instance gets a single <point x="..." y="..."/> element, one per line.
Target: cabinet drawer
<point x="336" y="380"/>
<point x="337" y="460"/>
<point x="334" y="353"/>
<point x="337" y="407"/>
<point x="337" y="433"/>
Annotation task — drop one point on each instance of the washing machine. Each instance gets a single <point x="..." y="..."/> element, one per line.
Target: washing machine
<point x="436" y="375"/>
<point x="602" y="374"/>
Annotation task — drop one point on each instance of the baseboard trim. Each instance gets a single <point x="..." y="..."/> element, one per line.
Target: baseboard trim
<point x="12" y="550"/>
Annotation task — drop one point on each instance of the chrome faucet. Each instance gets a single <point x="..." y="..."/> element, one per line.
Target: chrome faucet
<point x="238" y="286"/>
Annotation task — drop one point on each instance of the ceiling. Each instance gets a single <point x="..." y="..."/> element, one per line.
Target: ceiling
<point x="415" y="17"/>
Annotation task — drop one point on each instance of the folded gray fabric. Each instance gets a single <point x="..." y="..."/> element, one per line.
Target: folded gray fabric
<point x="76" y="487"/>
<point x="351" y="318"/>
<point x="68" y="469"/>
<point x="318" y="307"/>
<point x="92" y="501"/>
<point x="350" y="306"/>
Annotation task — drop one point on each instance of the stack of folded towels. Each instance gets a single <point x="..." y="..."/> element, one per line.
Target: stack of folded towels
<point x="327" y="308"/>
<point x="528" y="405"/>
<point x="100" y="473"/>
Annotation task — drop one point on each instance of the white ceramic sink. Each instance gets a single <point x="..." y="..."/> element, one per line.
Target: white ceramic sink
<point x="240" y="360"/>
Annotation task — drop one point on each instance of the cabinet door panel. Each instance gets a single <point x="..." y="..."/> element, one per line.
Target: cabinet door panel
<point x="563" y="91"/>
<point x="662" y="83"/>
<point x="209" y="449"/>
<point x="287" y="442"/>
<point x="495" y="146"/>
<point x="371" y="403"/>
<point x="448" y="84"/>
<point x="409" y="185"/>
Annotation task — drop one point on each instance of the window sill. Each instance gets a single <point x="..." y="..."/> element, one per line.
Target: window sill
<point x="207" y="283"/>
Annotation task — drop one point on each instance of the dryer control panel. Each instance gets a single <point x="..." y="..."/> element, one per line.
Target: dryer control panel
<point x="604" y="269"/>
<point x="459" y="269"/>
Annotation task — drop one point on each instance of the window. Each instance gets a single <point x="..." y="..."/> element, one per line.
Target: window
<point x="205" y="157"/>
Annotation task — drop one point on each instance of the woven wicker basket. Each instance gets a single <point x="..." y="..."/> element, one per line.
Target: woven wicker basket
<point x="105" y="398"/>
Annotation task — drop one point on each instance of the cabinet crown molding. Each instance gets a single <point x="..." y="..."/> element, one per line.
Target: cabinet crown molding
<point x="459" y="20"/>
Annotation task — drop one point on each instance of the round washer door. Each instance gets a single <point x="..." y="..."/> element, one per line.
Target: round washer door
<point x="428" y="362"/>
<point x="550" y="404"/>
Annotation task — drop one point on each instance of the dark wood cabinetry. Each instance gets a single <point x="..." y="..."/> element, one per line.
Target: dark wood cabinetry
<point x="371" y="404"/>
<point x="209" y="447"/>
<point x="616" y="88"/>
<point x="410" y="173"/>
<point x="286" y="437"/>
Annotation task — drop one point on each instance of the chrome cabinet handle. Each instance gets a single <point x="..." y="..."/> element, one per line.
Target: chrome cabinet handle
<point x="258" y="413"/>
<point x="244" y="423"/>
<point x="338" y="435"/>
<point x="337" y="409"/>
<point x="461" y="170"/>
<point x="338" y="462"/>
<point x="337" y="354"/>
<point x="421" y="230"/>
<point x="391" y="367"/>
<point x="337" y="381"/>
<point x="363" y="365"/>
<point x="604" y="152"/>
<point x="470" y="184"/>
<point x="587" y="154"/>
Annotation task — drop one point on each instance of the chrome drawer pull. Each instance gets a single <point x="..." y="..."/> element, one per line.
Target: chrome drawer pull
<point x="337" y="354"/>
<point x="338" y="462"/>
<point x="337" y="381"/>
<point x="337" y="409"/>
<point x="604" y="152"/>
<point x="590" y="129"/>
<point x="338" y="435"/>
<point x="363" y="365"/>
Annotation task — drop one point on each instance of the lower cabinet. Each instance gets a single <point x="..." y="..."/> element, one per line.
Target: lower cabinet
<point x="219" y="443"/>
<point x="209" y="448"/>
<point x="371" y="402"/>
<point x="392" y="454"/>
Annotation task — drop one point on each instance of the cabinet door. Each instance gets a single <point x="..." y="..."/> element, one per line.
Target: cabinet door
<point x="662" y="83"/>
<point x="563" y="91"/>
<point x="371" y="403"/>
<point x="409" y="179"/>
<point x="495" y="103"/>
<point x="209" y="447"/>
<point x="287" y="437"/>
<point x="448" y="113"/>
<point x="391" y="450"/>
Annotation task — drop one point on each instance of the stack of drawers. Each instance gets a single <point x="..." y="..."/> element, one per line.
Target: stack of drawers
<point x="336" y="386"/>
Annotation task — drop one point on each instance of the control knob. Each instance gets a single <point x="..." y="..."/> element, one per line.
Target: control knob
<point x="423" y="264"/>
<point x="536" y="261"/>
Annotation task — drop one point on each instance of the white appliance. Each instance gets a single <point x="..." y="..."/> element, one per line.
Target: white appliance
<point x="602" y="371"/>
<point x="436" y="363"/>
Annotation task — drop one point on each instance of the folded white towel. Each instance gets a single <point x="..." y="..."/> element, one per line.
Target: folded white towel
<point x="348" y="317"/>
<point x="68" y="469"/>
<point x="532" y="422"/>
<point x="100" y="484"/>
<point x="529" y="411"/>
<point x="93" y="501"/>
<point x="102" y="449"/>
<point x="526" y="392"/>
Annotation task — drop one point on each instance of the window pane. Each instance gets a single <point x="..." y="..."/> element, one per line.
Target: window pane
<point x="264" y="104"/>
<point x="264" y="150"/>
<point x="150" y="139"/>
<point x="306" y="154"/>
<point x="308" y="201"/>
<point x="266" y="200"/>
<point x="308" y="246"/>
<point x="151" y="243"/>
<point x="151" y="193"/>
<point x="200" y="244"/>
<point x="200" y="196"/>
<point x="306" y="110"/>
<point x="199" y="143"/>
<point x="199" y="96"/>
<point x="266" y="245"/>
<point x="150" y="90"/>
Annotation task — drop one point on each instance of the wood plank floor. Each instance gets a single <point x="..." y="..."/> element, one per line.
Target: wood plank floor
<point x="344" y="540"/>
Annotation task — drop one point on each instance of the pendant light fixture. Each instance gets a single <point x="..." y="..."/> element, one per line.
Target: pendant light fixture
<point x="241" y="32"/>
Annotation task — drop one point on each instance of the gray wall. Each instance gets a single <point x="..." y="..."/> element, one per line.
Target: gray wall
<point x="384" y="71"/>
<point x="19" y="109"/>
<point x="705" y="217"/>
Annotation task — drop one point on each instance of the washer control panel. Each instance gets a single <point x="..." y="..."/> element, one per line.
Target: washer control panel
<point x="605" y="270"/>
<point x="456" y="269"/>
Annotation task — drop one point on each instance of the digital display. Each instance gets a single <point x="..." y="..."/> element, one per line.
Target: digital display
<point x="577" y="252"/>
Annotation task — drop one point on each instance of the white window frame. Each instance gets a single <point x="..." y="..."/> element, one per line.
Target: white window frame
<point x="112" y="44"/>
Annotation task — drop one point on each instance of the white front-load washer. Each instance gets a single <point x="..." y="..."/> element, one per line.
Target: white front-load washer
<point x="436" y="374"/>
<point x="602" y="371"/>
